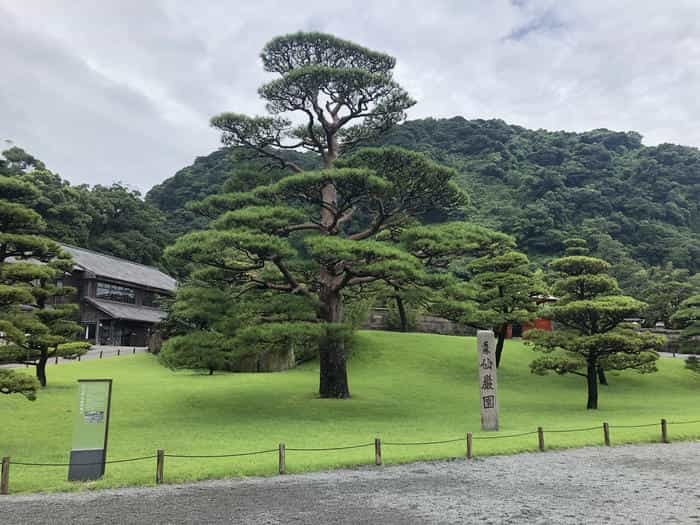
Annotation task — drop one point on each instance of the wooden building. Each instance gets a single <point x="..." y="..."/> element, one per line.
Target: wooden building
<point x="119" y="299"/>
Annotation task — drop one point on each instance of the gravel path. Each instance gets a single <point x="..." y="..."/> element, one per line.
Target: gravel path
<point x="626" y="484"/>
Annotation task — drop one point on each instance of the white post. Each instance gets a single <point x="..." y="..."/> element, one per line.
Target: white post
<point x="486" y="352"/>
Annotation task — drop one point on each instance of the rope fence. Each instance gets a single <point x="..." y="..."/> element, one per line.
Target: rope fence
<point x="400" y="444"/>
<point x="507" y="435"/>
<point x="377" y="444"/>
<point x="201" y="456"/>
<point x="329" y="448"/>
<point x="82" y="464"/>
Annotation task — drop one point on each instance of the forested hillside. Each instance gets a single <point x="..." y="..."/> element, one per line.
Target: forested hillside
<point x="636" y="205"/>
<point x="544" y="186"/>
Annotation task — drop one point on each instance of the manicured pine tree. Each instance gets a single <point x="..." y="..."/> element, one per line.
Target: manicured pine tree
<point x="491" y="284"/>
<point x="36" y="326"/>
<point x="590" y="333"/>
<point x="504" y="286"/>
<point x="313" y="233"/>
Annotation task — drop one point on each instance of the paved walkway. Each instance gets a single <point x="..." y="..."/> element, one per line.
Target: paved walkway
<point x="628" y="484"/>
<point x="677" y="356"/>
<point x="95" y="352"/>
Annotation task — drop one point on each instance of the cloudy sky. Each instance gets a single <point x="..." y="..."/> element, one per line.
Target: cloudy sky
<point x="123" y="89"/>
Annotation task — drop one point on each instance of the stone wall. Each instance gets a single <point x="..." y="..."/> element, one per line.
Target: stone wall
<point x="430" y="324"/>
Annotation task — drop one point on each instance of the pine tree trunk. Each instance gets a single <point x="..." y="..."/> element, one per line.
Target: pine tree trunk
<point x="601" y="377"/>
<point x="334" y="377"/>
<point x="592" y="380"/>
<point x="333" y="381"/>
<point x="402" y="313"/>
<point x="500" y="342"/>
<point x="333" y="373"/>
<point x="41" y="369"/>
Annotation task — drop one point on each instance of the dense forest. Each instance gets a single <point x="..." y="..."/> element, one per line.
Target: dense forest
<point x="544" y="186"/>
<point x="111" y="219"/>
<point x="638" y="206"/>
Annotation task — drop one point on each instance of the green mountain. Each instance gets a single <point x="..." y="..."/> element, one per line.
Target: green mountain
<point x="635" y="204"/>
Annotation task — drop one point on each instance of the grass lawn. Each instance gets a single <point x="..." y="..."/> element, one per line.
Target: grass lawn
<point x="405" y="387"/>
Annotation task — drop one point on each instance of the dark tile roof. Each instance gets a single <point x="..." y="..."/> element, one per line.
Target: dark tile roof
<point x="120" y="269"/>
<point x="127" y="311"/>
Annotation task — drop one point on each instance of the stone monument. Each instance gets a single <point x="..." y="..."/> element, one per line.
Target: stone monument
<point x="486" y="352"/>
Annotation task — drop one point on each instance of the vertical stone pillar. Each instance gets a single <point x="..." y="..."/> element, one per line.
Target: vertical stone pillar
<point x="486" y="352"/>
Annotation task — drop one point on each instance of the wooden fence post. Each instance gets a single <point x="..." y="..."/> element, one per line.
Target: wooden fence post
<point x="5" y="476"/>
<point x="78" y="359"/>
<point x="664" y="431"/>
<point x="55" y="361"/>
<point x="540" y="439"/>
<point x="100" y="354"/>
<point x="160" y="460"/>
<point x="134" y="351"/>
<point x="470" y="454"/>
<point x="377" y="451"/>
<point x="282" y="459"/>
<point x="606" y="434"/>
<point x="119" y="352"/>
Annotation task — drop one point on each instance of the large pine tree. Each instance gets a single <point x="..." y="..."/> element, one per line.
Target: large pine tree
<point x="315" y="233"/>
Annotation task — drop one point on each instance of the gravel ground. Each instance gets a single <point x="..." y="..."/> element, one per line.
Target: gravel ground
<point x="626" y="484"/>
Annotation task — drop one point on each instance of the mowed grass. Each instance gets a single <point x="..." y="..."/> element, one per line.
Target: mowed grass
<point x="405" y="387"/>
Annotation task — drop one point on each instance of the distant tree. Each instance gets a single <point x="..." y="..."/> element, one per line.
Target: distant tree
<point x="15" y="161"/>
<point x="664" y="290"/>
<point x="112" y="219"/>
<point x="591" y="334"/>
<point x="124" y="226"/>
<point x="688" y="319"/>
<point x="35" y="326"/>
<point x="403" y="304"/>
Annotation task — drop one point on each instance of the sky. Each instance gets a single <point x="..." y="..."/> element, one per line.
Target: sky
<point x="123" y="90"/>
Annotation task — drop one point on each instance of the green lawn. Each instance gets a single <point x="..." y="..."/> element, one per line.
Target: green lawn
<point x="406" y="387"/>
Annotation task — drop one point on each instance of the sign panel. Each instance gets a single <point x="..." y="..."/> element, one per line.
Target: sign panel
<point x="90" y="430"/>
<point x="486" y="352"/>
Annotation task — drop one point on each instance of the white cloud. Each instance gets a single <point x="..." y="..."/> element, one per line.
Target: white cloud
<point x="123" y="89"/>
